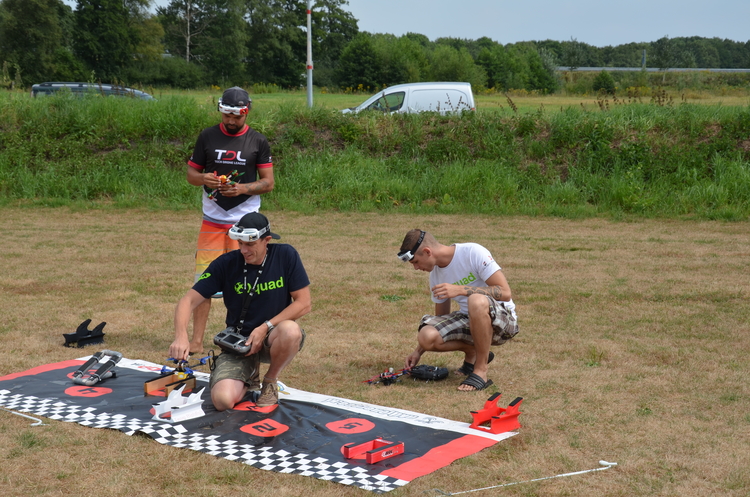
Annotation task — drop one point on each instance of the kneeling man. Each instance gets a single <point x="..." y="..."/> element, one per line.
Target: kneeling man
<point x="265" y="290"/>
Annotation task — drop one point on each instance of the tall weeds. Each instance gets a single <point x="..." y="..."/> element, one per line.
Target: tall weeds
<point x="633" y="157"/>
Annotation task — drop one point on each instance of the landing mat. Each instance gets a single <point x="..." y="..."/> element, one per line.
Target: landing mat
<point x="303" y="435"/>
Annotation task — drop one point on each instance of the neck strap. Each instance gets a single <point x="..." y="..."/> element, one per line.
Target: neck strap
<point x="251" y="293"/>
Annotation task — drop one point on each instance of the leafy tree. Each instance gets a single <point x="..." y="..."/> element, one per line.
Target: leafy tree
<point x="450" y="64"/>
<point x="483" y="43"/>
<point x="35" y="44"/>
<point x="210" y="33"/>
<point x="627" y="55"/>
<point x="183" y="22"/>
<point x="402" y="60"/>
<point x="574" y="54"/>
<point x="732" y="54"/>
<point x="494" y="61"/>
<point x="664" y="54"/>
<point x="223" y="50"/>
<point x="554" y="47"/>
<point x="410" y="60"/>
<point x="360" y="64"/>
<point x="423" y="41"/>
<point x="546" y="78"/>
<point x="526" y="69"/>
<point x="277" y="41"/>
<point x="332" y="29"/>
<point x="103" y="40"/>
<point x="146" y="31"/>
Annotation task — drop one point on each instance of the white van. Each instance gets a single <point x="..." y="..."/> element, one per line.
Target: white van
<point x="411" y="98"/>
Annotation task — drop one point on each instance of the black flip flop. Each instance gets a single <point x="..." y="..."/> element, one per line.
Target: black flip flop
<point x="466" y="369"/>
<point x="476" y="381"/>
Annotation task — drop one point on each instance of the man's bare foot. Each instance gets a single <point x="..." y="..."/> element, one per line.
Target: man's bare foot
<point x="474" y="383"/>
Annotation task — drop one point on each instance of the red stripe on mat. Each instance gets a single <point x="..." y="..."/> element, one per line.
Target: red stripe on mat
<point x="42" y="369"/>
<point x="439" y="457"/>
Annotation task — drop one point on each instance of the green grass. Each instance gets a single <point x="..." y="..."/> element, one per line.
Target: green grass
<point x="616" y="159"/>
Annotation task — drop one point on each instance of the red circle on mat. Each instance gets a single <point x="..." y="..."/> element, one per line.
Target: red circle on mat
<point x="351" y="425"/>
<point x="84" y="391"/>
<point x="250" y="406"/>
<point x="265" y="428"/>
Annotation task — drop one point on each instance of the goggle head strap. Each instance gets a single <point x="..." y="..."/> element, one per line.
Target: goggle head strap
<point x="408" y="255"/>
<point x="228" y="109"/>
<point x="247" y="234"/>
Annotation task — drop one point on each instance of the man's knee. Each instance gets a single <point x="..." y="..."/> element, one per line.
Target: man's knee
<point x="224" y="395"/>
<point x="478" y="305"/>
<point x="289" y="332"/>
<point x="429" y="337"/>
<point x="220" y="403"/>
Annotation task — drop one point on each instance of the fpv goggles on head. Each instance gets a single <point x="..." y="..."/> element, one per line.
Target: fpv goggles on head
<point x="238" y="111"/>
<point x="248" y="234"/>
<point x="408" y="255"/>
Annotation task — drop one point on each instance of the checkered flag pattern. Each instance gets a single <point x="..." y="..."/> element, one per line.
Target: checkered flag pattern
<point x="281" y="461"/>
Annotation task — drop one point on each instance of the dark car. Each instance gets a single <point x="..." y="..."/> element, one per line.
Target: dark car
<point x="48" y="88"/>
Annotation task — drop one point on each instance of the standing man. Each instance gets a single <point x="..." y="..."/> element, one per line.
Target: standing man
<point x="466" y="273"/>
<point x="232" y="162"/>
<point x="265" y="290"/>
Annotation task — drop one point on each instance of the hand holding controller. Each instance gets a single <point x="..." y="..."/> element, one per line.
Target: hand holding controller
<point x="232" y="341"/>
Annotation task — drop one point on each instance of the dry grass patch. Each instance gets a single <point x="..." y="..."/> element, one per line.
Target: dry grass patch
<point x="633" y="347"/>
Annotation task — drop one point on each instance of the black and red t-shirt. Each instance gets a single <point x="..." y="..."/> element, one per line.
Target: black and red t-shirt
<point x="216" y="150"/>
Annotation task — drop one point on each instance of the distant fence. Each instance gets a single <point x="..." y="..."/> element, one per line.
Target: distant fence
<point x="650" y="69"/>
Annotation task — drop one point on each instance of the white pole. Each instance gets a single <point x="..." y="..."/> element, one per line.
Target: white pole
<point x="309" y="56"/>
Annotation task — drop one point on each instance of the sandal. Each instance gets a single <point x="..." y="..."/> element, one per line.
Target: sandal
<point x="467" y="368"/>
<point x="476" y="381"/>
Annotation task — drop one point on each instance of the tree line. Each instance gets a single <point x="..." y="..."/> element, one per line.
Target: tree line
<point x="195" y="43"/>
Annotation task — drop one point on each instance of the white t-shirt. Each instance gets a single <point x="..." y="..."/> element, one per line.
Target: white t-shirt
<point x="472" y="265"/>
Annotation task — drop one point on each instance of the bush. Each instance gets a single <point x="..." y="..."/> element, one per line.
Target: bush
<point x="604" y="83"/>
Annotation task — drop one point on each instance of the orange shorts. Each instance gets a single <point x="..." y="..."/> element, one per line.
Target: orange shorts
<point x="213" y="241"/>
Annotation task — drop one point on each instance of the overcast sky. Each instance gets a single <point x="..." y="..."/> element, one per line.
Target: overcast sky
<point x="595" y="22"/>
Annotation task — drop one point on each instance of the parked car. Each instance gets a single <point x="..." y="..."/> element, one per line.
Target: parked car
<point x="442" y="97"/>
<point x="49" y="88"/>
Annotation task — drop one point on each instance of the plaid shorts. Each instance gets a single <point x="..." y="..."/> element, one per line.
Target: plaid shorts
<point x="455" y="326"/>
<point x="230" y="366"/>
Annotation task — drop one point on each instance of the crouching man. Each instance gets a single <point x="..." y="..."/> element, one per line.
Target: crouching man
<point x="466" y="273"/>
<point x="265" y="290"/>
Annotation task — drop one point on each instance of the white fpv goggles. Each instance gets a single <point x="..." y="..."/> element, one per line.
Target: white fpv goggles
<point x="248" y="234"/>
<point x="237" y="111"/>
<point x="408" y="255"/>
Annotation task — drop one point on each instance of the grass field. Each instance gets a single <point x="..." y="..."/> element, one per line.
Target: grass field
<point x="633" y="348"/>
<point x="497" y="102"/>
